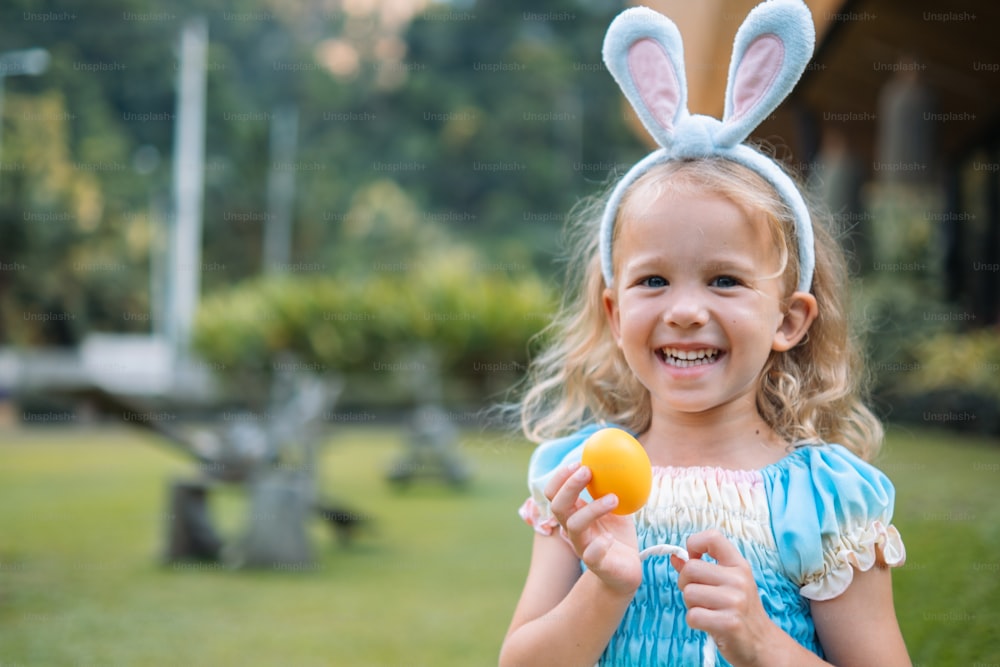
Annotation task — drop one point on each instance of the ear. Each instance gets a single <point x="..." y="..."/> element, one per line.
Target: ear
<point x="799" y="316"/>
<point x="772" y="49"/>
<point x="644" y="53"/>
<point x="613" y="314"/>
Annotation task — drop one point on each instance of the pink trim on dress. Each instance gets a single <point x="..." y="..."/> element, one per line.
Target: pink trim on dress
<point x="532" y="515"/>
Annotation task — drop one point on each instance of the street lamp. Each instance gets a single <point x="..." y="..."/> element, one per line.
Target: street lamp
<point x="26" y="62"/>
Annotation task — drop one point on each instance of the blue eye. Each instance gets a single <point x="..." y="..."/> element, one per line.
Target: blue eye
<point x="725" y="281"/>
<point x="654" y="281"/>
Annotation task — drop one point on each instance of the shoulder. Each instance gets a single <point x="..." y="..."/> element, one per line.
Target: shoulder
<point x="830" y="472"/>
<point x="831" y="513"/>
<point x="552" y="454"/>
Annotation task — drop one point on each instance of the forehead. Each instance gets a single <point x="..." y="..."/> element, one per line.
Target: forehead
<point x="663" y="203"/>
<point x="707" y="178"/>
<point x="692" y="223"/>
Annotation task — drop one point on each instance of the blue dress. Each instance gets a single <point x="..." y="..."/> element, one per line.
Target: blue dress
<point x="804" y="523"/>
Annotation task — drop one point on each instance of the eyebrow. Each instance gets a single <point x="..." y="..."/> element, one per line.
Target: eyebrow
<point x="651" y="262"/>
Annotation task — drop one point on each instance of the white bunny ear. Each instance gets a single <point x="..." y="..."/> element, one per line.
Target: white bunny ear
<point x="644" y="53"/>
<point x="772" y="49"/>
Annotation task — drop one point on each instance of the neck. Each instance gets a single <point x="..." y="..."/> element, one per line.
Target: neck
<point x="725" y="438"/>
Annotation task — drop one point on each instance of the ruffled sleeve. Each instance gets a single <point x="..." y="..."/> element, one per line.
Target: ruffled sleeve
<point x="547" y="458"/>
<point x="831" y="513"/>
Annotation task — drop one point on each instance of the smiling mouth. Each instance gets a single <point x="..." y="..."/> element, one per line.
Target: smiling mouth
<point x="689" y="358"/>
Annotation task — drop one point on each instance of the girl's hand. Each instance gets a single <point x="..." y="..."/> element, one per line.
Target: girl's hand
<point x="605" y="542"/>
<point x="722" y="598"/>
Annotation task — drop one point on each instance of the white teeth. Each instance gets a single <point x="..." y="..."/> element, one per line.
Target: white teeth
<point x="688" y="358"/>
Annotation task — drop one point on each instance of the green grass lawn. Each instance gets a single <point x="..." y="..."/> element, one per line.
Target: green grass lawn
<point x="433" y="582"/>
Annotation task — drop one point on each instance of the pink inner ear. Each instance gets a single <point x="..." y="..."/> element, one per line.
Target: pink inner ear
<point x="655" y="79"/>
<point x="756" y="73"/>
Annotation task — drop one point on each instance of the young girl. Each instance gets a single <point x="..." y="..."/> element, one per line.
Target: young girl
<point x="710" y="322"/>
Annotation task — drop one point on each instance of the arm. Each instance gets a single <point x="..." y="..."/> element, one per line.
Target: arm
<point x="859" y="627"/>
<point x="566" y="617"/>
<point x="563" y="617"/>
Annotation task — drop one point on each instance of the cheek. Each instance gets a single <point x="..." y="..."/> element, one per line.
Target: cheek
<point x="754" y="327"/>
<point x="634" y="316"/>
<point x="759" y="313"/>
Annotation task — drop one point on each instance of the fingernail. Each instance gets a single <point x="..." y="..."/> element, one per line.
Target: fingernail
<point x="573" y="465"/>
<point x="609" y="500"/>
<point x="581" y="473"/>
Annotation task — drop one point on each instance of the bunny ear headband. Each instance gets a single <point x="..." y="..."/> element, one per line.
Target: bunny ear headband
<point x="643" y="51"/>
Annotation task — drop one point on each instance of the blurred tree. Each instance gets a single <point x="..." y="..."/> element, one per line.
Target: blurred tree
<point x="490" y="120"/>
<point x="73" y="209"/>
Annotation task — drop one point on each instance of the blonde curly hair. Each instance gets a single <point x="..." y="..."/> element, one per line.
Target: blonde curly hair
<point x="811" y="394"/>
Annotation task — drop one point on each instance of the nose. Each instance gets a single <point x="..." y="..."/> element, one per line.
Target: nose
<point x="685" y="308"/>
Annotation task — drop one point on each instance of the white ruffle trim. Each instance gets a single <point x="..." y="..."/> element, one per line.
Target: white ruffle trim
<point x="538" y="516"/>
<point x="861" y="550"/>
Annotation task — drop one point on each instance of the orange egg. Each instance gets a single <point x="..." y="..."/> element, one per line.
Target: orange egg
<point x="618" y="465"/>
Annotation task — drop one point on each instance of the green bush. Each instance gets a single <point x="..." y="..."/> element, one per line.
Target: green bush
<point x="959" y="361"/>
<point x="470" y="319"/>
<point x="925" y="367"/>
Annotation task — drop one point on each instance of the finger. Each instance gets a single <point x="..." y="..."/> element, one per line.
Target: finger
<point x="713" y="574"/>
<point x="598" y="548"/>
<point x="567" y="498"/>
<point x="587" y="515"/>
<point x="678" y="563"/>
<point x="711" y="597"/>
<point x="559" y="478"/>
<point x="716" y="545"/>
<point x="716" y="623"/>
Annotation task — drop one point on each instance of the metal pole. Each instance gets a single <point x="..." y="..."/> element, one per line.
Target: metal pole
<point x="188" y="187"/>
<point x="2" y="79"/>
